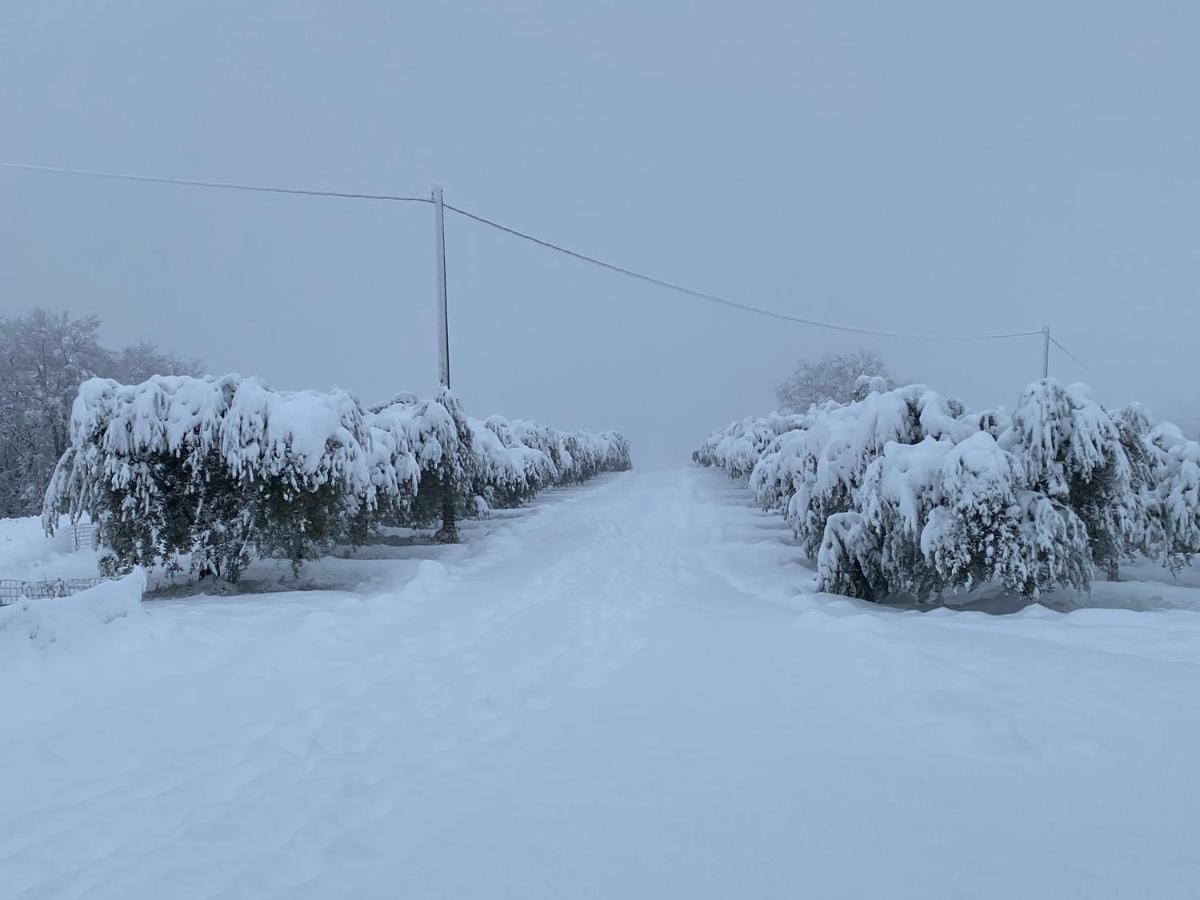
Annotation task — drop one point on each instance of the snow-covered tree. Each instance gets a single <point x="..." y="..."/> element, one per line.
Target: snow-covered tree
<point x="439" y="436"/>
<point x="1135" y="427"/>
<point x="507" y="473"/>
<point x="737" y="447"/>
<point x="780" y="470"/>
<point x="833" y="453"/>
<point x="985" y="528"/>
<point x="940" y="517"/>
<point x="904" y="491"/>
<point x="939" y="512"/>
<point x="850" y="559"/>
<point x="1055" y="541"/>
<point x="1175" y="497"/>
<point x="1071" y="450"/>
<point x="837" y="377"/>
<point x="304" y="458"/>
<point x="206" y="473"/>
<point x="204" y="470"/>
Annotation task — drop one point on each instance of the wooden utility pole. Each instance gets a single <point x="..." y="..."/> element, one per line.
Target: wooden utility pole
<point x="448" y="533"/>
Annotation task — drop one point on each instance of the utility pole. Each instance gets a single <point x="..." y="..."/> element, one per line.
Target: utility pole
<point x="1045" y="351"/>
<point x="448" y="533"/>
<point x="443" y="318"/>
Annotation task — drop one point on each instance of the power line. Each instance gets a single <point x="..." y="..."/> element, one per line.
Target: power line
<point x="612" y="267"/>
<point x="222" y="185"/>
<point x="1086" y="367"/>
<point x="713" y="298"/>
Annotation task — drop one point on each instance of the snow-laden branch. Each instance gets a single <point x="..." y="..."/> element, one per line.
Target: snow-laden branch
<point x="206" y="471"/>
<point x="904" y="491"/>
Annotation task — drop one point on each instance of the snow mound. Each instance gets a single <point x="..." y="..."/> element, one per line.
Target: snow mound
<point x="28" y="554"/>
<point x="68" y="620"/>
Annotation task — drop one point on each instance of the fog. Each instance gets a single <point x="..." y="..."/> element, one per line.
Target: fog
<point x="934" y="167"/>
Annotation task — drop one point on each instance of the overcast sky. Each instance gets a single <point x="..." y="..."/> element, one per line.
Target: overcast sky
<point x="933" y="167"/>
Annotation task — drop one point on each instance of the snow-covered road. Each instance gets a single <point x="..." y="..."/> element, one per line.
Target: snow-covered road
<point x="628" y="690"/>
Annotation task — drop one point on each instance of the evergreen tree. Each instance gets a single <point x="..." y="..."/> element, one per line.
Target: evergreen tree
<point x="1072" y="451"/>
<point x="208" y="473"/>
<point x="1175" y="500"/>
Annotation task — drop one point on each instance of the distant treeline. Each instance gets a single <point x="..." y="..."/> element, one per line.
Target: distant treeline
<point x="44" y="357"/>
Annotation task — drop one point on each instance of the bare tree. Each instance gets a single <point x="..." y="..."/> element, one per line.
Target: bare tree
<point x="831" y="377"/>
<point x="43" y="358"/>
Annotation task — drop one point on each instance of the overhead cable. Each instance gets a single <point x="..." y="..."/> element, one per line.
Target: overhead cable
<point x="1056" y="343"/>
<point x="734" y="304"/>
<point x="542" y="242"/>
<point x="221" y="185"/>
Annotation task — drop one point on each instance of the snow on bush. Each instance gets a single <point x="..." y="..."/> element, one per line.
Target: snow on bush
<point x="781" y="470"/>
<point x="210" y="468"/>
<point x="1072" y="451"/>
<point x="63" y="620"/>
<point x="1055" y="542"/>
<point x="905" y="492"/>
<point x="506" y="471"/>
<point x="206" y="472"/>
<point x="736" y="448"/>
<point x="1174" y="498"/>
<point x="437" y="436"/>
<point x="849" y="558"/>
<point x="939" y="517"/>
<point x="576" y="455"/>
<point x="843" y="441"/>
<point x="594" y="453"/>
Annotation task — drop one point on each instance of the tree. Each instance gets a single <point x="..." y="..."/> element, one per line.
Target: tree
<point x="830" y="457"/>
<point x="138" y="362"/>
<point x="1072" y="451"/>
<point x="738" y="446"/>
<point x="942" y="517"/>
<point x="906" y="492"/>
<point x="837" y="377"/>
<point x="200" y="471"/>
<point x="1175" y="500"/>
<point x="205" y="473"/>
<point x="44" y="357"/>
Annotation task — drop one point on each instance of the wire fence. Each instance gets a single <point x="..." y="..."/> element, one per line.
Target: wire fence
<point x="13" y="590"/>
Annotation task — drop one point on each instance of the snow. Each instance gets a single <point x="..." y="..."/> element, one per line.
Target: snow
<point x="201" y="474"/>
<point x="628" y="689"/>
<point x="737" y="447"/>
<point x="906" y="492"/>
<point x="1176" y="465"/>
<point x="69" y="620"/>
<point x="26" y="554"/>
<point x="425" y="431"/>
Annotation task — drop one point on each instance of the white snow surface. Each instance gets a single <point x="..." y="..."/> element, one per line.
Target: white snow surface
<point x="628" y="689"/>
<point x="34" y="624"/>
<point x="27" y="554"/>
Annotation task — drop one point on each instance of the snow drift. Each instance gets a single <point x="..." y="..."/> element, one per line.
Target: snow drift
<point x="66" y="620"/>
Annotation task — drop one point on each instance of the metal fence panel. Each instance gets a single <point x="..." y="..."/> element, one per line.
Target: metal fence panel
<point x="13" y="590"/>
<point x="76" y="537"/>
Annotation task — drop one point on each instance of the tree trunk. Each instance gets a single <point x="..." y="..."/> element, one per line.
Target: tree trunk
<point x="448" y="533"/>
